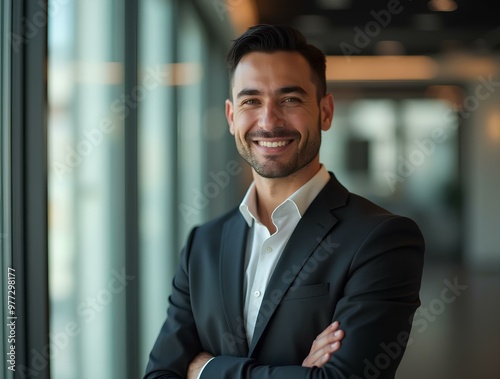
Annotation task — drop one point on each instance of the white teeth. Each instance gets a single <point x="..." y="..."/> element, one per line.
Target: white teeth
<point x="273" y="144"/>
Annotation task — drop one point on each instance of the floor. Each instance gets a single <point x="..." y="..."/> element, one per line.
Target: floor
<point x="456" y="333"/>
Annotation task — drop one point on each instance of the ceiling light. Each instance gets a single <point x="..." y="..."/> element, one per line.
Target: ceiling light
<point x="381" y="68"/>
<point x="243" y="14"/>
<point x="443" y="5"/>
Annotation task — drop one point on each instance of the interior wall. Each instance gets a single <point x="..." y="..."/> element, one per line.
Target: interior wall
<point x="481" y="146"/>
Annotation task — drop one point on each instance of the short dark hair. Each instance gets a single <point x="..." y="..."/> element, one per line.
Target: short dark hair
<point x="272" y="38"/>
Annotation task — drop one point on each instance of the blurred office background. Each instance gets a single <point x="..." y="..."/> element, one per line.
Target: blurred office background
<point x="114" y="145"/>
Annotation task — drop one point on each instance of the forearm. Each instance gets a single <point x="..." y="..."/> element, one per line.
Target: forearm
<point x="226" y="367"/>
<point x="323" y="347"/>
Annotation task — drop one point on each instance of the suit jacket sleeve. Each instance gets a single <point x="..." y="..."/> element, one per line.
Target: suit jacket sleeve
<point x="178" y="342"/>
<point x="381" y="294"/>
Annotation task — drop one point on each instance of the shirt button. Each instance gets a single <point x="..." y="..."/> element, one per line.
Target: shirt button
<point x="269" y="249"/>
<point x="256" y="293"/>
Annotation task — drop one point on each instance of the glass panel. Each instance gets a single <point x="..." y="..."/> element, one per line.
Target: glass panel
<point x="374" y="122"/>
<point x="431" y="163"/>
<point x="157" y="168"/>
<point x="87" y="109"/>
<point x="184" y="143"/>
<point x="193" y="198"/>
<point x="402" y="154"/>
<point x="85" y="141"/>
<point x="361" y="145"/>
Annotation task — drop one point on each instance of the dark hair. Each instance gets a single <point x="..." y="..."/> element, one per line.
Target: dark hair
<point x="271" y="38"/>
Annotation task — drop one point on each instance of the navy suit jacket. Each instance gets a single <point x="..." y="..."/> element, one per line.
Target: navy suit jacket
<point x="347" y="260"/>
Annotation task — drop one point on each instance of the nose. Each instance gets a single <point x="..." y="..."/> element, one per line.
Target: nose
<point x="271" y="117"/>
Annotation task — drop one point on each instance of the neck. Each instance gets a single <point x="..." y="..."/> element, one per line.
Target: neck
<point x="273" y="192"/>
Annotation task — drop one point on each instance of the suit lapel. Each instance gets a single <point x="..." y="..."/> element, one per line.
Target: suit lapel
<point x="232" y="270"/>
<point x="309" y="233"/>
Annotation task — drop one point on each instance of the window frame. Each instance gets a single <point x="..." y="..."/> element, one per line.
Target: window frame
<point x="28" y="167"/>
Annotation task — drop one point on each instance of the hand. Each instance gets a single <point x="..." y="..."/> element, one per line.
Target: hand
<point x="197" y="364"/>
<point x="324" y="346"/>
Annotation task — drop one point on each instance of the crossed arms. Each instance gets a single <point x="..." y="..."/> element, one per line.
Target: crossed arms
<point x="376" y="300"/>
<point x="325" y="344"/>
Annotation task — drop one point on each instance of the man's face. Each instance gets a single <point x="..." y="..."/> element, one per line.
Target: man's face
<point x="274" y="114"/>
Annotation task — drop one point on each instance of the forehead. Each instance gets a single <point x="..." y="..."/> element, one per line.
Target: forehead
<point x="272" y="70"/>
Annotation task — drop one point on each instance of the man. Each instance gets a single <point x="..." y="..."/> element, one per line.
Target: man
<point x="257" y="289"/>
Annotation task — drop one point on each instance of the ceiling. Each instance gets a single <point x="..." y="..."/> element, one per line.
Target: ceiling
<point x="389" y="27"/>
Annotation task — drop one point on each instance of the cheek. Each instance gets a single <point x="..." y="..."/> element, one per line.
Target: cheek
<point x="299" y="121"/>
<point x="239" y="130"/>
<point x="302" y="116"/>
<point x="308" y="128"/>
<point x="243" y="122"/>
<point x="246" y="116"/>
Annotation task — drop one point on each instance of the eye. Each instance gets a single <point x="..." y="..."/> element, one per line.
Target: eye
<point x="250" y="102"/>
<point x="292" y="100"/>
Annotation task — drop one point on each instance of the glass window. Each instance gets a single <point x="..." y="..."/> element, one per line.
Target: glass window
<point x="402" y="154"/>
<point x="190" y="76"/>
<point x="183" y="143"/>
<point x="87" y="107"/>
<point x="430" y="163"/>
<point x="157" y="167"/>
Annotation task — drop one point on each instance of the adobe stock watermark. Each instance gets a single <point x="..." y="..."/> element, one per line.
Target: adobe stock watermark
<point x="298" y="273"/>
<point x="222" y="7"/>
<point x="38" y="20"/>
<point x="424" y="148"/>
<point x="471" y="103"/>
<point x="295" y="275"/>
<point x="406" y="167"/>
<point x="119" y="109"/>
<point x="88" y="311"/>
<point x="363" y="37"/>
<point x="202" y="197"/>
<point x="393" y="350"/>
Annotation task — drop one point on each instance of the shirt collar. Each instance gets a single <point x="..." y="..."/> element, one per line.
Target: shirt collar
<point x="301" y="198"/>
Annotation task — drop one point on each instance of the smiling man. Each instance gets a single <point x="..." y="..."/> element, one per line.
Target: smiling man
<point x="303" y="279"/>
<point x="277" y="117"/>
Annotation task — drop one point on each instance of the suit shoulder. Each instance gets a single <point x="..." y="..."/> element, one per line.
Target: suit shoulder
<point x="354" y="210"/>
<point x="367" y="212"/>
<point x="360" y="204"/>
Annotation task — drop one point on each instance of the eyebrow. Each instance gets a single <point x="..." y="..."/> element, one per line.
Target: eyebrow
<point x="248" y="92"/>
<point x="291" y="89"/>
<point x="280" y="91"/>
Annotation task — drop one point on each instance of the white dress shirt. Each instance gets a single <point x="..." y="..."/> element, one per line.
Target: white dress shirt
<point x="263" y="249"/>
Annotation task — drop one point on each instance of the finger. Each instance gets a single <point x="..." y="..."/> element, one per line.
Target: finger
<point x="320" y="356"/>
<point x="327" y="342"/>
<point x="323" y="347"/>
<point x="310" y="362"/>
<point x="328" y="339"/>
<point x="329" y="329"/>
<point x="336" y="336"/>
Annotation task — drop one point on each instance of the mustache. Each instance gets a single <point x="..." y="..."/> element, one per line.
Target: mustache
<point x="285" y="134"/>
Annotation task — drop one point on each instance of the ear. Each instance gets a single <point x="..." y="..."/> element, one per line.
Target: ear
<point x="230" y="115"/>
<point x="326" y="109"/>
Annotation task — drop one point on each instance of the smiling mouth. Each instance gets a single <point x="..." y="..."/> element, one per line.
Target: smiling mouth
<point x="274" y="143"/>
